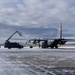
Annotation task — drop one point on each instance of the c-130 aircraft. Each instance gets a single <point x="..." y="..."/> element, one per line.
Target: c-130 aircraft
<point x="47" y="42"/>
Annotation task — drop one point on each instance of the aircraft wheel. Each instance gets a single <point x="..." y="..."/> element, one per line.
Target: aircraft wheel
<point x="9" y="47"/>
<point x="52" y="47"/>
<point x="56" y="46"/>
<point x="31" y="46"/>
<point x="19" y="48"/>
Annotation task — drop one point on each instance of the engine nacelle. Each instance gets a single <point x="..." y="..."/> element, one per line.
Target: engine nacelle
<point x="62" y="42"/>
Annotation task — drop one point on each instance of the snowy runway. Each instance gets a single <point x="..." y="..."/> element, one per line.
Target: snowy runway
<point x="37" y="61"/>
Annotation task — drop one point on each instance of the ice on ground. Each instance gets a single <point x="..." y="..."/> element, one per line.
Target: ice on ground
<point x="14" y="61"/>
<point x="8" y="68"/>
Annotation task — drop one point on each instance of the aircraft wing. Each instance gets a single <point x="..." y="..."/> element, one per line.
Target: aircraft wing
<point x="69" y="39"/>
<point x="62" y="41"/>
<point x="37" y="40"/>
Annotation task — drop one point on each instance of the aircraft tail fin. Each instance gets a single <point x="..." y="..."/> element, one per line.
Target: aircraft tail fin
<point x="59" y="34"/>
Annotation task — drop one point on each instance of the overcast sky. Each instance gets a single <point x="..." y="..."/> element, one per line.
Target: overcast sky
<point x="39" y="18"/>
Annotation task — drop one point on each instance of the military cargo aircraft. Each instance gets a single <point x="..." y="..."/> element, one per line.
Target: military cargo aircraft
<point x="47" y="42"/>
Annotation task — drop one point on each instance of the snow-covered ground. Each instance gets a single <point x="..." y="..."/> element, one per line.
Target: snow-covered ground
<point x="37" y="61"/>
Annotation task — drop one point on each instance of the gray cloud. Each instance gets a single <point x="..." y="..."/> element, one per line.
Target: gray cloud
<point x="36" y="17"/>
<point x="35" y="12"/>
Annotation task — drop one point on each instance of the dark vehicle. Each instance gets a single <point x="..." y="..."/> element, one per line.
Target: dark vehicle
<point x="10" y="45"/>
